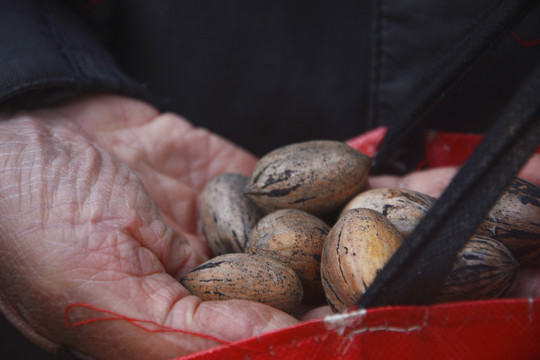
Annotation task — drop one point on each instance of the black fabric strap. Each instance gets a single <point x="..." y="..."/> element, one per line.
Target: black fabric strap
<point x="442" y="73"/>
<point x="416" y="271"/>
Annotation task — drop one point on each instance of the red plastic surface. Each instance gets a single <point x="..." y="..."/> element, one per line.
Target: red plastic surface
<point x="369" y="142"/>
<point x="475" y="330"/>
<point x="450" y="149"/>
<point x="495" y="329"/>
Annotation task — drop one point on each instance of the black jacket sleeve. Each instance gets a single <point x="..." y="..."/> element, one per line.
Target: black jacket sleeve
<point x="49" y="55"/>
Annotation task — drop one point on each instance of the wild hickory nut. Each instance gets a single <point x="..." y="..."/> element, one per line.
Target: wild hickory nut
<point x="356" y="248"/>
<point x="227" y="215"/>
<point x="515" y="221"/>
<point x="484" y="269"/>
<point x="294" y="238"/>
<point x="404" y="208"/>
<point x="314" y="176"/>
<point x="246" y="277"/>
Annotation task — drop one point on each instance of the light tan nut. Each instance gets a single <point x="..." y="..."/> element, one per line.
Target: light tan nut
<point x="515" y="221"/>
<point x="246" y="277"/>
<point x="315" y="176"/>
<point x="484" y="269"/>
<point x="294" y="238"/>
<point x="227" y="215"/>
<point x="357" y="247"/>
<point x="404" y="208"/>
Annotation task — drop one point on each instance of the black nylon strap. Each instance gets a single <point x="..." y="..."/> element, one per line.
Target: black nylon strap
<point x="447" y="70"/>
<point x="416" y="271"/>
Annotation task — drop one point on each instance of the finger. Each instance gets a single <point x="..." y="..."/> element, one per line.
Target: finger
<point x="434" y="181"/>
<point x="430" y="182"/>
<point x="531" y="170"/>
<point x="527" y="283"/>
<point x="190" y="325"/>
<point x="150" y="315"/>
<point x="317" y="313"/>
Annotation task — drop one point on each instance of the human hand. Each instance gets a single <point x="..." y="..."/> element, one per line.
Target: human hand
<point x="98" y="204"/>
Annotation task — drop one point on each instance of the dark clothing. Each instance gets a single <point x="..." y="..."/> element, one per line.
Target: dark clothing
<point x="262" y="75"/>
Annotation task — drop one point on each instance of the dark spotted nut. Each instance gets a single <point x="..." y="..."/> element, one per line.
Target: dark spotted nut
<point x="357" y="247"/>
<point x="317" y="176"/>
<point x="484" y="269"/>
<point x="246" y="277"/>
<point x="294" y="238"/>
<point x="515" y="221"/>
<point x="404" y="208"/>
<point x="227" y="215"/>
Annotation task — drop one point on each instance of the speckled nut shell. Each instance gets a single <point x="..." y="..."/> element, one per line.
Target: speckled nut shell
<point x="404" y="208"/>
<point x="357" y="247"/>
<point x="227" y="215"/>
<point x="247" y="277"/>
<point x="294" y="238"/>
<point x="484" y="269"/>
<point x="314" y="176"/>
<point x="515" y="221"/>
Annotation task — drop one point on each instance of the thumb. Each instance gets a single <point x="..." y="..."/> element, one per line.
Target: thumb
<point x="169" y="329"/>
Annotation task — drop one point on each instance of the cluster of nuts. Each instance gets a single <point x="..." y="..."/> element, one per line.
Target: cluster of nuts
<point x="305" y="228"/>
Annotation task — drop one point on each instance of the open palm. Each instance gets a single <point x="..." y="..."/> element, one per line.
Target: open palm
<point x="98" y="205"/>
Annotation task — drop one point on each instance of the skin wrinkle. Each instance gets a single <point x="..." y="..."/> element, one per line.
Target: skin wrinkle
<point x="197" y="169"/>
<point x="126" y="256"/>
<point x="94" y="220"/>
<point x="87" y="175"/>
<point x="175" y="260"/>
<point x="131" y="205"/>
<point x="162" y="193"/>
<point x="252" y="320"/>
<point x="168" y="188"/>
<point x="159" y="292"/>
<point x="150" y="167"/>
<point x="184" y="138"/>
<point x="188" y="261"/>
<point x="159" y="151"/>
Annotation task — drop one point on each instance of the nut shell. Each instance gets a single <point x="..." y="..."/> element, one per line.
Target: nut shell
<point x="515" y="221"/>
<point x="314" y="176"/>
<point x="227" y="215"/>
<point x="404" y="208"/>
<point x="247" y="277"/>
<point x="294" y="238"/>
<point x="485" y="269"/>
<point x="357" y="247"/>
